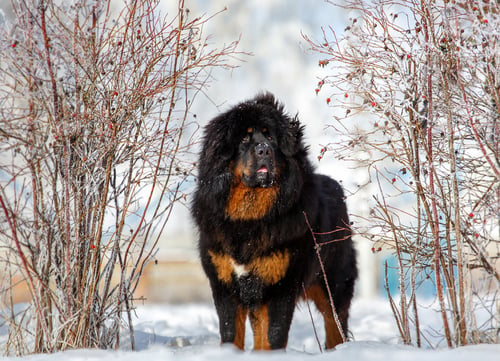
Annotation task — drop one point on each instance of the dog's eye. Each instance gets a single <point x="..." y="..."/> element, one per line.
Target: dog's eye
<point x="246" y="138"/>
<point x="266" y="134"/>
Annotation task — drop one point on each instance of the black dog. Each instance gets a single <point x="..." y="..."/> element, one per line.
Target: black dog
<point x="258" y="205"/>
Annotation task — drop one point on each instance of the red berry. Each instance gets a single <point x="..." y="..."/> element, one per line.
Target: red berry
<point x="373" y="104"/>
<point x="92" y="246"/>
<point x="328" y="100"/>
<point x="316" y="90"/>
<point x="346" y="95"/>
<point x="471" y="215"/>
<point x="474" y="8"/>
<point x="485" y="21"/>
<point x="393" y="180"/>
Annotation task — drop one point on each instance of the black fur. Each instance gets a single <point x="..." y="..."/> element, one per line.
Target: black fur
<point x="258" y="134"/>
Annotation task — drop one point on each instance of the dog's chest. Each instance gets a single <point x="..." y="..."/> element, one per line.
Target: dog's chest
<point x="250" y="203"/>
<point x="270" y="269"/>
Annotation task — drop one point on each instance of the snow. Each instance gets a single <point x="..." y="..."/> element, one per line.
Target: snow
<point x="271" y="31"/>
<point x="190" y="332"/>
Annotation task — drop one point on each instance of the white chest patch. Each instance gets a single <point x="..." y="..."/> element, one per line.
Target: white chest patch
<point x="239" y="269"/>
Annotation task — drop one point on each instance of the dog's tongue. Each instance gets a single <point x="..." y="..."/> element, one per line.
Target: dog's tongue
<point x="262" y="169"/>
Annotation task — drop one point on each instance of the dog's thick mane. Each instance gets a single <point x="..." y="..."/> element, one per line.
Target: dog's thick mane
<point x="220" y="143"/>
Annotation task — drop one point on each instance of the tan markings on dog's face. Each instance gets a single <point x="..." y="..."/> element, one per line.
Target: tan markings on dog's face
<point x="240" y="169"/>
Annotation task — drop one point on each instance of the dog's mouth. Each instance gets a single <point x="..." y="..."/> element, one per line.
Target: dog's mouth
<point x="262" y="169"/>
<point x="264" y="177"/>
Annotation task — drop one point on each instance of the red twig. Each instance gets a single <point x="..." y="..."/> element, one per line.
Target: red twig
<point x="27" y="269"/>
<point x="312" y="318"/>
<point x="427" y="26"/>
<point x="317" y="248"/>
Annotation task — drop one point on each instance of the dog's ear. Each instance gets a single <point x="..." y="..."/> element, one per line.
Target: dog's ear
<point x="217" y="146"/>
<point x="291" y="140"/>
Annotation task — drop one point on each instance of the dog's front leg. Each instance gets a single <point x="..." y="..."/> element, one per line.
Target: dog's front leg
<point x="271" y="323"/>
<point x="232" y="317"/>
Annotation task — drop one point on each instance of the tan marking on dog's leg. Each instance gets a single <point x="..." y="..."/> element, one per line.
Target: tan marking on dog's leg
<point x="239" y="337"/>
<point x="259" y="319"/>
<point x="333" y="334"/>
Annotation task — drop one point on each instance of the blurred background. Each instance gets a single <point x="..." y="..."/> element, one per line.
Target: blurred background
<point x="277" y="59"/>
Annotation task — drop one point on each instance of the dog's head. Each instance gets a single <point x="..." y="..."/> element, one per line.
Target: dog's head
<point x="255" y="163"/>
<point x="253" y="160"/>
<point x="253" y="138"/>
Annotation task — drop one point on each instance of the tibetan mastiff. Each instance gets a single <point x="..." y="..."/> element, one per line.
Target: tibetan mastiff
<point x="271" y="230"/>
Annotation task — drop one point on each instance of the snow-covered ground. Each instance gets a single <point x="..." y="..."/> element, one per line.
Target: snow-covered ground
<point x="189" y="333"/>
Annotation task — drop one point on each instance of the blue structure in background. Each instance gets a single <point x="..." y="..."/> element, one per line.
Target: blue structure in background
<point x="425" y="284"/>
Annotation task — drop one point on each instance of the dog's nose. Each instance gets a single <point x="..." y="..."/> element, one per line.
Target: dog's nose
<point x="262" y="150"/>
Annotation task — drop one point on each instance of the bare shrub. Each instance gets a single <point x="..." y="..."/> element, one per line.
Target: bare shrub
<point x="415" y="91"/>
<point x="95" y="137"/>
